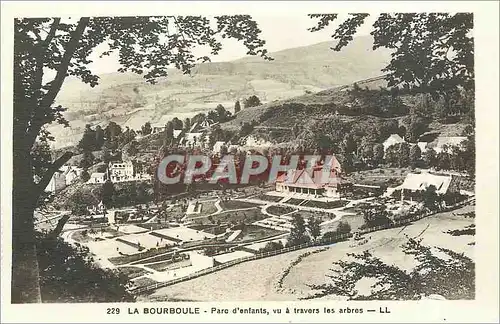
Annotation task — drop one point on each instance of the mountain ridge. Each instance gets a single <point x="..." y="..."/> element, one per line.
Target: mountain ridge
<point x="128" y="100"/>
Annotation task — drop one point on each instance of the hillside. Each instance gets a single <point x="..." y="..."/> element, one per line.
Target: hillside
<point x="363" y="109"/>
<point x="127" y="100"/>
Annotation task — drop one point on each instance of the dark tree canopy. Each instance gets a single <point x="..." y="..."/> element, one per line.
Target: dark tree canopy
<point x="252" y="101"/>
<point x="432" y="52"/>
<point x="60" y="263"/>
<point x="314" y="227"/>
<point x="298" y="234"/>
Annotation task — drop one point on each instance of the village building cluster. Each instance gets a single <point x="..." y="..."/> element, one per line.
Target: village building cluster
<point x="439" y="144"/>
<point x="117" y="172"/>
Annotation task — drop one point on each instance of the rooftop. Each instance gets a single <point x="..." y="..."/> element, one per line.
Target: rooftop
<point x="421" y="181"/>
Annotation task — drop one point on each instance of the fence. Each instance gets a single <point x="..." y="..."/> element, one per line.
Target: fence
<point x="320" y="242"/>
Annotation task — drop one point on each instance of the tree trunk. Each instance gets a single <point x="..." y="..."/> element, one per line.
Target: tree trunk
<point x="25" y="284"/>
<point x="25" y="272"/>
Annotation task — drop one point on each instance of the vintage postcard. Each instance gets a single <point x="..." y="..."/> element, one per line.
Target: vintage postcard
<point x="249" y="162"/>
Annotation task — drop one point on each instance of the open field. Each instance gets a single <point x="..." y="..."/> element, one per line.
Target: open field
<point x="262" y="275"/>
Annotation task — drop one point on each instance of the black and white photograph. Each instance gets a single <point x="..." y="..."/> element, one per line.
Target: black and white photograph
<point x="310" y="156"/>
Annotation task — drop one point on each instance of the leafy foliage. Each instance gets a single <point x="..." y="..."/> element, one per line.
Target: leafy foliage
<point x="398" y="155"/>
<point x="87" y="160"/>
<point x="272" y="246"/>
<point x="451" y="276"/>
<point x="342" y="228"/>
<point x="298" y="234"/>
<point x="376" y="216"/>
<point x="108" y="194"/>
<point x="252" y="101"/>
<point x="68" y="274"/>
<point x="146" y="129"/>
<point x="145" y="45"/>
<point x="432" y="52"/>
<point x="313" y="226"/>
<point x="237" y="107"/>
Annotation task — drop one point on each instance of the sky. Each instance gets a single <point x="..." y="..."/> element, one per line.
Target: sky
<point x="279" y="32"/>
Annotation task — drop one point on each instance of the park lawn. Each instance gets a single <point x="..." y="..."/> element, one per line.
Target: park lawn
<point x="326" y="205"/>
<point x="231" y="217"/>
<point x="207" y="208"/>
<point x="81" y="237"/>
<point x="236" y="204"/>
<point x="269" y="198"/>
<point x="133" y="272"/>
<point x="153" y="226"/>
<point x="306" y="214"/>
<point x="169" y="265"/>
<point x="209" y="228"/>
<point x="359" y="208"/>
<point x="175" y="213"/>
<point x="295" y="201"/>
<point x="254" y="232"/>
<point x="280" y="210"/>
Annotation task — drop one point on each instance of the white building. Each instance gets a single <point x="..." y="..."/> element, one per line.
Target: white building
<point x="217" y="147"/>
<point x="98" y="177"/>
<point x="313" y="183"/>
<point x="195" y="138"/>
<point x="392" y="140"/>
<point x="66" y="175"/>
<point x="120" y="171"/>
<point x="158" y="128"/>
<point x="416" y="183"/>
<point x="124" y="171"/>
<point x="446" y="142"/>
<point x="177" y="133"/>
<point x="252" y="141"/>
<point x="57" y="183"/>
<point x="422" y="146"/>
<point x="204" y="125"/>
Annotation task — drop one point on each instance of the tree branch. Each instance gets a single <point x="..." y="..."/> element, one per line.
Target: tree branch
<point x="59" y="227"/>
<point x="41" y="50"/>
<point x="55" y="85"/>
<point x="51" y="33"/>
<point x="53" y="168"/>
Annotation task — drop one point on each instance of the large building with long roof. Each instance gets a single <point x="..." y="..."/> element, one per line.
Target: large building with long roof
<point x="314" y="182"/>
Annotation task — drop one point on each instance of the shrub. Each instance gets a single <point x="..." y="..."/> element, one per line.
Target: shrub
<point x="272" y="246"/>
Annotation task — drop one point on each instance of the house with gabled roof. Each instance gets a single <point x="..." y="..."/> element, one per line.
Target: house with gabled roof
<point x="416" y="183"/>
<point x="444" y="143"/>
<point x="392" y="140"/>
<point x="315" y="182"/>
